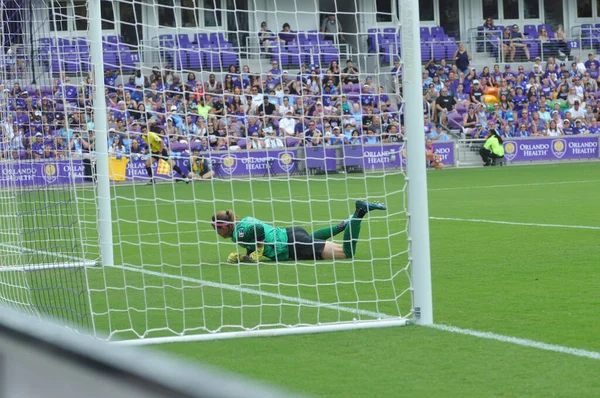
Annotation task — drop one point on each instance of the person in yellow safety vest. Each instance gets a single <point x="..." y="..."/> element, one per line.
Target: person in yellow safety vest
<point x="492" y="149"/>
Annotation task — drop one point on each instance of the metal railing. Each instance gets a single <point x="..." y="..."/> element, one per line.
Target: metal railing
<point x="483" y="41"/>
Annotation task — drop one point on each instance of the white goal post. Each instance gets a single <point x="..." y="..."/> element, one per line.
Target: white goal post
<point x="201" y="107"/>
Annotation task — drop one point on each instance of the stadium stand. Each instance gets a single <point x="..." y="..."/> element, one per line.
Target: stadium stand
<point x="326" y="102"/>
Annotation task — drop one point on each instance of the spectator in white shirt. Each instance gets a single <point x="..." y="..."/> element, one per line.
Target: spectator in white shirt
<point x="577" y="111"/>
<point x="257" y="98"/>
<point x="287" y="125"/>
<point x="285" y="107"/>
<point x="271" y="140"/>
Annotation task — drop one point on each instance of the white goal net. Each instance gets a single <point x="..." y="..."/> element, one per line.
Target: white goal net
<point x="285" y="111"/>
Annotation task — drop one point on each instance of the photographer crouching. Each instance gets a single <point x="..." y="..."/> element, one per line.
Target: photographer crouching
<point x="492" y="150"/>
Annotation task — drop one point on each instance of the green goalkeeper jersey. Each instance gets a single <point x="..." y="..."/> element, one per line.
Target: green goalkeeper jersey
<point x="250" y="230"/>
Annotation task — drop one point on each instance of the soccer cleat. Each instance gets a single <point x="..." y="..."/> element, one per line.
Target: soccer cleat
<point x="365" y="207"/>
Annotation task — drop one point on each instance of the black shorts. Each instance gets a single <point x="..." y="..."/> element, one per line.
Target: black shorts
<point x="164" y="154"/>
<point x="302" y="246"/>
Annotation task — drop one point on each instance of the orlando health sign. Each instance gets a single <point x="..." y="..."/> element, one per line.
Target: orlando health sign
<point x="551" y="148"/>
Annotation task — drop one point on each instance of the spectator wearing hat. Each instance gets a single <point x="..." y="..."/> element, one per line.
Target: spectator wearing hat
<point x="580" y="127"/>
<point x="337" y="138"/>
<point x="567" y="129"/>
<point x="266" y="108"/>
<point x="37" y="146"/>
<point x="476" y="93"/>
<point x="478" y="131"/>
<point x="439" y="134"/>
<point x="265" y="37"/>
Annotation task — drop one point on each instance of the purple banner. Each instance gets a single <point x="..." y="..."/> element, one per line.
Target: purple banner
<point x="26" y="173"/>
<point x="239" y="163"/>
<point x="446" y="150"/>
<point x="280" y="161"/>
<point x="559" y="148"/>
<point x="390" y="155"/>
<point x="321" y="158"/>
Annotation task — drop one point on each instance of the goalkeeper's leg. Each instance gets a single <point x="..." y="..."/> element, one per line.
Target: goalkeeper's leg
<point x="328" y="232"/>
<point x="351" y="232"/>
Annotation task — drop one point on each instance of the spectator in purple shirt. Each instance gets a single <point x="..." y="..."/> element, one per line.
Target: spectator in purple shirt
<point x="21" y="118"/>
<point x="519" y="99"/>
<point x="594" y="128"/>
<point x="566" y="127"/>
<point x="110" y="79"/>
<point x="286" y="34"/>
<point x="130" y="86"/>
<point x="591" y="61"/>
<point x="580" y="127"/>
<point x="37" y="147"/>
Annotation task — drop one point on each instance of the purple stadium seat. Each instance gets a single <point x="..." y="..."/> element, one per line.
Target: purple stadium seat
<point x="437" y="32"/>
<point x="229" y="58"/>
<point x="424" y="31"/>
<point x="455" y="121"/>
<point x="194" y="58"/>
<point x="439" y="51"/>
<point x="201" y="39"/>
<point x="183" y="40"/>
<point x="212" y="59"/>
<point x="530" y="31"/>
<point x="295" y="59"/>
<point x="372" y="40"/>
<point x="451" y="48"/>
<point x="425" y="52"/>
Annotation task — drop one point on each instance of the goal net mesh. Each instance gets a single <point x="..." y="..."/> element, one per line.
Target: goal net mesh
<point x="253" y="100"/>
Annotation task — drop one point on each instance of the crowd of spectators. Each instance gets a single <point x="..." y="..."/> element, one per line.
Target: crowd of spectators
<point x="277" y="108"/>
<point x="551" y="98"/>
<point x="333" y="105"/>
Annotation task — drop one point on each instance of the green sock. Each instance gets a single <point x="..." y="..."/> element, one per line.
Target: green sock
<point x="328" y="232"/>
<point x="351" y="236"/>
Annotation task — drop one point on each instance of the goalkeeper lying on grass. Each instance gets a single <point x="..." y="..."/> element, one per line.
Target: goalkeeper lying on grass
<point x="263" y="241"/>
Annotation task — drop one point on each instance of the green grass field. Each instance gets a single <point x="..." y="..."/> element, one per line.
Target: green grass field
<point x="514" y="252"/>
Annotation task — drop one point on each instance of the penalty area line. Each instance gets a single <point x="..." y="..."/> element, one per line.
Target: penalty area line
<point x="578" y="352"/>
<point x="527" y="224"/>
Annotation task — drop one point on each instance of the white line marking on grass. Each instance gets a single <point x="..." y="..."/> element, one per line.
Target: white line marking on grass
<point x="528" y="224"/>
<point x="534" y="184"/>
<point x="297" y="300"/>
<point x="519" y="341"/>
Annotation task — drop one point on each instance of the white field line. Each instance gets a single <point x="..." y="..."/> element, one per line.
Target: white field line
<point x="474" y="333"/>
<point x="261" y="293"/>
<point x="528" y="224"/>
<point x="522" y="342"/>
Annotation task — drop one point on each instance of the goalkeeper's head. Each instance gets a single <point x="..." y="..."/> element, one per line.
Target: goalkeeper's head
<point x="223" y="222"/>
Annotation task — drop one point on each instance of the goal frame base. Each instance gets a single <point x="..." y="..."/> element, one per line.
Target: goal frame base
<point x="43" y="267"/>
<point x="284" y="331"/>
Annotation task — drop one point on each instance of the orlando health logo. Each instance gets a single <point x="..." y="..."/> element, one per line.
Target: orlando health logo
<point x="50" y="173"/>
<point x="285" y="161"/>
<point x="559" y="148"/>
<point x="510" y="150"/>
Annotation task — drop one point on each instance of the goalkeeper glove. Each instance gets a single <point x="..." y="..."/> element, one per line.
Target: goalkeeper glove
<point x="233" y="258"/>
<point x="256" y="255"/>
